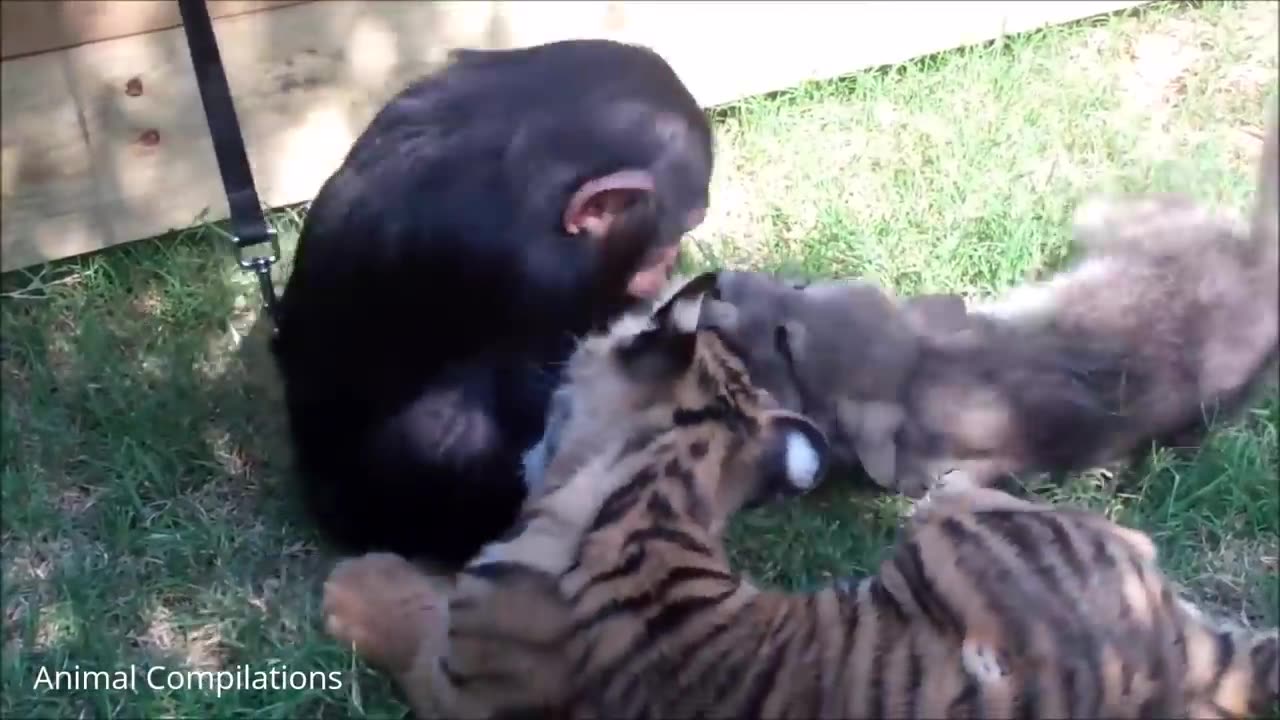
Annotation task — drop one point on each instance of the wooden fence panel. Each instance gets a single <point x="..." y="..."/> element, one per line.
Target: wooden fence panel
<point x="105" y="142"/>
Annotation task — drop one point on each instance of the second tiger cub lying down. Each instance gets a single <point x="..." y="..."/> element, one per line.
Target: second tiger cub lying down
<point x="614" y="596"/>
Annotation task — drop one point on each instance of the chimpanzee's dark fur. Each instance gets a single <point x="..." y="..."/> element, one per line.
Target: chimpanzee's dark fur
<point x="436" y="288"/>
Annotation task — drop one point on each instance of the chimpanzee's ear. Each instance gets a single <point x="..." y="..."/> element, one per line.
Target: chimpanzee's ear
<point x="598" y="202"/>
<point x="667" y="348"/>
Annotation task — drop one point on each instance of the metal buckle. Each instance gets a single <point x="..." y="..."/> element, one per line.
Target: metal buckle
<point x="256" y="262"/>
<point x="261" y="266"/>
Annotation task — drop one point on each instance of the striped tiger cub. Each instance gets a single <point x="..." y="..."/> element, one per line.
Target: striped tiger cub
<point x="614" y="596"/>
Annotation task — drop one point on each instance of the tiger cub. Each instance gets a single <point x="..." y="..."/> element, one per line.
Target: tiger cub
<point x="394" y="613"/>
<point x="988" y="606"/>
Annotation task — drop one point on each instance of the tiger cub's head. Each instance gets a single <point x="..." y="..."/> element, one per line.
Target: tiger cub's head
<point x="658" y="396"/>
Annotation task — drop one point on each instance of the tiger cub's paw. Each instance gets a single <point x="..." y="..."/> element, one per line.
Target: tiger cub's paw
<point x="385" y="607"/>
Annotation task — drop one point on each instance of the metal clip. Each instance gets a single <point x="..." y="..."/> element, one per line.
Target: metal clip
<point x="261" y="266"/>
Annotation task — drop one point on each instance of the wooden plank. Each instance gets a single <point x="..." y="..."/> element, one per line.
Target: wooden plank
<point x="87" y="165"/>
<point x="28" y="27"/>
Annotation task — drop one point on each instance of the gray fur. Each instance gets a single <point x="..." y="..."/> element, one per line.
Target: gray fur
<point x="1168" y="320"/>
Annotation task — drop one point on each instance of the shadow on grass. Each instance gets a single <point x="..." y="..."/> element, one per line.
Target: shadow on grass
<point x="147" y="517"/>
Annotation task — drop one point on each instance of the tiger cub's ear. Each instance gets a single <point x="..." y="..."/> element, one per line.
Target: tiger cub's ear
<point x="666" y="348"/>
<point x="795" y="457"/>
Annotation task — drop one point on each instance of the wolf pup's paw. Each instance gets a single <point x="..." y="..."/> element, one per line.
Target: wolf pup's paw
<point x="385" y="607"/>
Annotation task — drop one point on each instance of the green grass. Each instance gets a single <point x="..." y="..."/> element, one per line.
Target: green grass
<point x="145" y="513"/>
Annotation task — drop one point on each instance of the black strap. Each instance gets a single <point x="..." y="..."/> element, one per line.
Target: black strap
<point x="248" y="225"/>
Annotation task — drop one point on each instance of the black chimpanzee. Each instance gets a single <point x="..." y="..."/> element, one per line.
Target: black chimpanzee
<point x="489" y="215"/>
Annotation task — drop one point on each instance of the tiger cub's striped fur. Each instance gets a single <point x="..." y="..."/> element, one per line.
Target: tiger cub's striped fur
<point x="988" y="606"/>
<point x="651" y="380"/>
